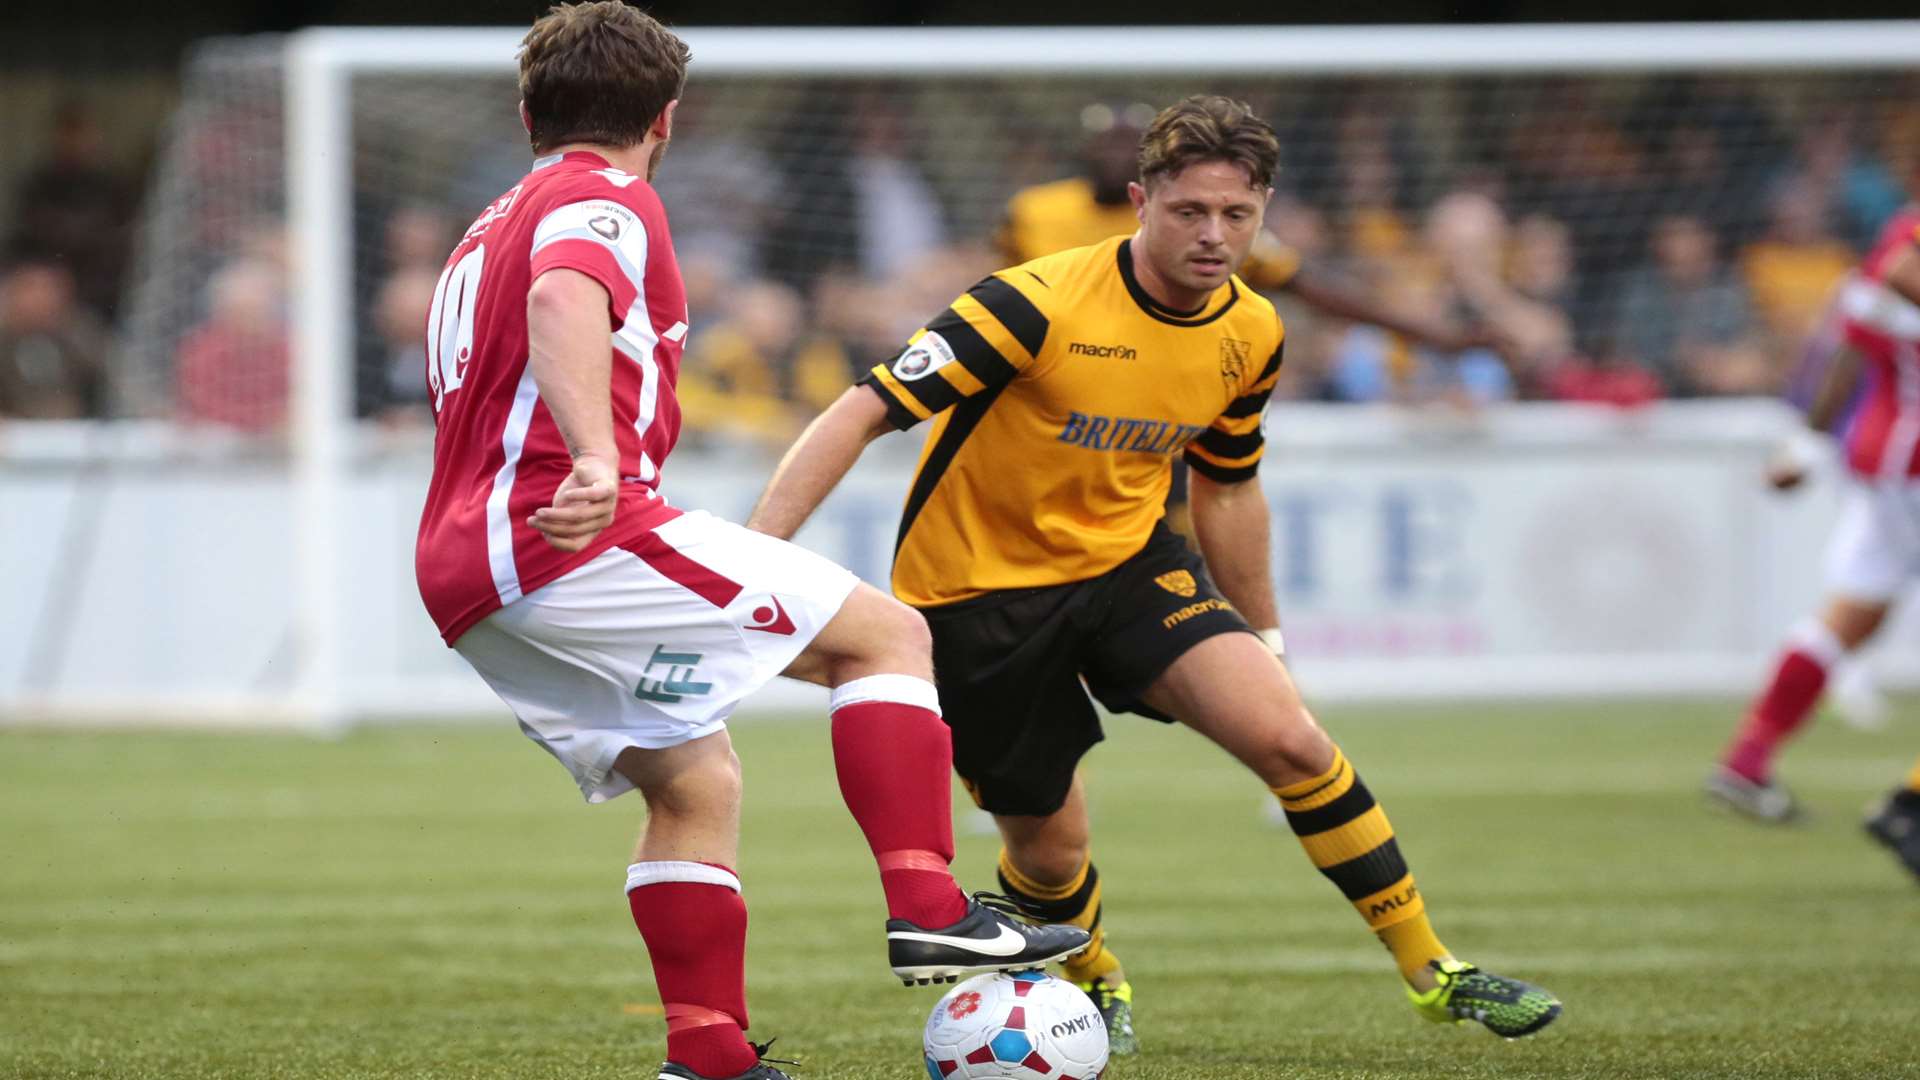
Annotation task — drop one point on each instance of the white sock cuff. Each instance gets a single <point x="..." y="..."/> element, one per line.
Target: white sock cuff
<point x="1814" y="638"/>
<point x="900" y="689"/>
<point x="698" y="873"/>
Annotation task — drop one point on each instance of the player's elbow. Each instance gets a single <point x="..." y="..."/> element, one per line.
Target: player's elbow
<point x="861" y="412"/>
<point x="560" y="296"/>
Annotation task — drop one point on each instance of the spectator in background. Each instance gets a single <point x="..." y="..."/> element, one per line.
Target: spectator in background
<point x="721" y="191"/>
<point x="52" y="351"/>
<point x="1855" y="191"/>
<point x="232" y="369"/>
<point x="1714" y="148"/>
<point x="417" y="237"/>
<point x="1371" y="364"/>
<point x="1467" y="236"/>
<point x="1541" y="268"/>
<point x="393" y="389"/>
<point x="76" y="208"/>
<point x="737" y="378"/>
<point x="1793" y="269"/>
<point x="851" y="194"/>
<point x="1686" y="320"/>
<point x="1569" y="157"/>
<point x="389" y="383"/>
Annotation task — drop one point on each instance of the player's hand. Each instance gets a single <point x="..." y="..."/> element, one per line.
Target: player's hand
<point x="582" y="505"/>
<point x="1785" y="475"/>
<point x="1794" y="461"/>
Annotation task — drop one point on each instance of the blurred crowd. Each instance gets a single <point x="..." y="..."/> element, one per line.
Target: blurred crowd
<point x="1678" y="240"/>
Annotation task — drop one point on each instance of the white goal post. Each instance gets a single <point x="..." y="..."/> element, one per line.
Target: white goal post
<point x="320" y="69"/>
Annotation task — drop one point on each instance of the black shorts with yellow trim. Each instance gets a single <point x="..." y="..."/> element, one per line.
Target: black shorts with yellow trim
<point x="1010" y="667"/>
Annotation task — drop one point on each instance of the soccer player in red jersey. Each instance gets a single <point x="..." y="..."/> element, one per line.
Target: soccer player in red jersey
<point x="1875" y="550"/>
<point x="622" y="631"/>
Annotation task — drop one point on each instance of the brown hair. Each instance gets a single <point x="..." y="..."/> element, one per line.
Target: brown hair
<point x="1208" y="127"/>
<point x="598" y="72"/>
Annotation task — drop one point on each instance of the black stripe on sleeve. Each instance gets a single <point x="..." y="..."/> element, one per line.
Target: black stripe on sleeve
<point x="1273" y="365"/>
<point x="1221" y="474"/>
<point x="972" y="350"/>
<point x="1251" y="404"/>
<point x="1248" y="405"/>
<point x="1377" y="869"/>
<point x="932" y="392"/>
<point x="1220" y="444"/>
<point x="898" y="414"/>
<point x="1358" y="800"/>
<point x="1015" y="312"/>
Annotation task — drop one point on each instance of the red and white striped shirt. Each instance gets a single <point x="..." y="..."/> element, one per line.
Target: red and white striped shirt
<point x="497" y="454"/>
<point x="1883" y="441"/>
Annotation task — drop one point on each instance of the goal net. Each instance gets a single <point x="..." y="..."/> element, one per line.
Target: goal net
<point x="828" y="190"/>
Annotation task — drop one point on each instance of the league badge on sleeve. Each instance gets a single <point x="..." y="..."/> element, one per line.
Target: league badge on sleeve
<point x="924" y="357"/>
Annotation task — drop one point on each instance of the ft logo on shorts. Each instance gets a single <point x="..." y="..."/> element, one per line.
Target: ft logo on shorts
<point x="676" y="678"/>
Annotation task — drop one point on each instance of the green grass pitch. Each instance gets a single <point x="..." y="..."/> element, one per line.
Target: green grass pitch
<point x="436" y="902"/>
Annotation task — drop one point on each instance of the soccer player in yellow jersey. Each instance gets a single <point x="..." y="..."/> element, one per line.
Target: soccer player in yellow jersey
<point x="1094" y="206"/>
<point x="1060" y="391"/>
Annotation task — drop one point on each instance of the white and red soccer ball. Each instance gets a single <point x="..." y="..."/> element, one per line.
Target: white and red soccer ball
<point x="1028" y="1026"/>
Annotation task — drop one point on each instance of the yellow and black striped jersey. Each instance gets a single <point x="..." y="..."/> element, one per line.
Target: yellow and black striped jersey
<point x="1063" y="214"/>
<point x="1059" y="393"/>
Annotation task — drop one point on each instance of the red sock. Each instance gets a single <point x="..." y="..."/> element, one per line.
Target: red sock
<point x="1786" y="703"/>
<point x="695" y="926"/>
<point x="893" y="756"/>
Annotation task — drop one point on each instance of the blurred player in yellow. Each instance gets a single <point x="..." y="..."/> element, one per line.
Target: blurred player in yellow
<point x="1061" y="391"/>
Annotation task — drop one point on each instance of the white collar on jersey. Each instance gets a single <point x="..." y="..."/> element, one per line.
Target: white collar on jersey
<point x="543" y="162"/>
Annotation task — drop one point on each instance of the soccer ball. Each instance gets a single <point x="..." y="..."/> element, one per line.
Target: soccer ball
<point x="1028" y="1026"/>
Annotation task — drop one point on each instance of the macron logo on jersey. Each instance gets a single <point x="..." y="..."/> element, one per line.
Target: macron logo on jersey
<point x="1117" y="352"/>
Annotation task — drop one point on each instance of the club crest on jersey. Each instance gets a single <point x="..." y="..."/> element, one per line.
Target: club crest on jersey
<point x="923" y="358"/>
<point x="1178" y="582"/>
<point x="1234" y="355"/>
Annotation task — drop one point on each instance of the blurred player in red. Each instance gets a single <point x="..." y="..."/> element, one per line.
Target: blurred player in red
<point x="1875" y="550"/>
<point x="622" y="631"/>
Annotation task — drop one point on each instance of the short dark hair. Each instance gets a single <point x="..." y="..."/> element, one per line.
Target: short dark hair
<point x="598" y="72"/>
<point x="1208" y="127"/>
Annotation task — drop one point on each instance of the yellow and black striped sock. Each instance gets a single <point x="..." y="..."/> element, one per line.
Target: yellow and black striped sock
<point x="1348" y="837"/>
<point x="1913" y="779"/>
<point x="1076" y="903"/>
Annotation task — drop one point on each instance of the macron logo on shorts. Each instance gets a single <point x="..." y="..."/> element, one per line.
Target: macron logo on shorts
<point x="771" y="618"/>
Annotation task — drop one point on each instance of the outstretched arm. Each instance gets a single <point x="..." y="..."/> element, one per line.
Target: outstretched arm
<point x="1341" y="302"/>
<point x="817" y="460"/>
<point x="1231" y="521"/>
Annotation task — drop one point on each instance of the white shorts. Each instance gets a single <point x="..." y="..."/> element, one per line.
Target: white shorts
<point x="1875" y="549"/>
<point x="653" y="644"/>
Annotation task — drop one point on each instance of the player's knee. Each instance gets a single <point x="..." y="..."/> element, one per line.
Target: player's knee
<point x="899" y="640"/>
<point x="705" y="789"/>
<point x="907" y="630"/>
<point x="1291" y="751"/>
